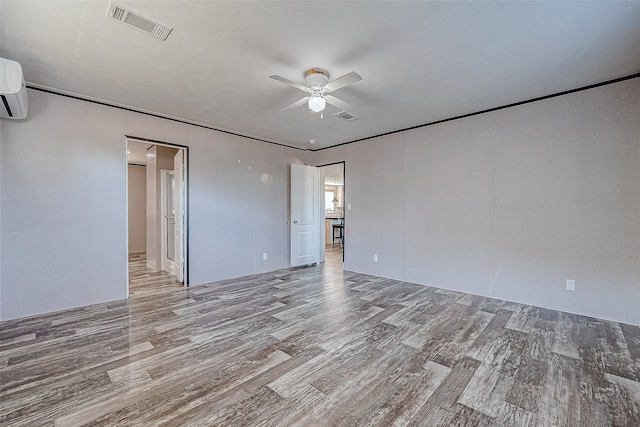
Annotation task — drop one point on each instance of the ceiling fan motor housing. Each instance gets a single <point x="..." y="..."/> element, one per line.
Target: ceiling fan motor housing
<point x="317" y="87"/>
<point x="316" y="78"/>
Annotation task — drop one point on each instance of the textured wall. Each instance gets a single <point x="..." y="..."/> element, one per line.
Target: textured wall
<point x="63" y="208"/>
<point x="375" y="222"/>
<point x="508" y="204"/>
<point x="567" y="202"/>
<point x="137" y="208"/>
<point x="448" y="205"/>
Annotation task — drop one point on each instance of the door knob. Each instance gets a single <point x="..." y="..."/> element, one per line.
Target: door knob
<point x="295" y="221"/>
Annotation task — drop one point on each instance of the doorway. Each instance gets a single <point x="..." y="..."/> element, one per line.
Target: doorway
<point x="334" y="211"/>
<point x="157" y="215"/>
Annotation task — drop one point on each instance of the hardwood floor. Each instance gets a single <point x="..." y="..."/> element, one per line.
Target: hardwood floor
<point x="145" y="281"/>
<point x="317" y="347"/>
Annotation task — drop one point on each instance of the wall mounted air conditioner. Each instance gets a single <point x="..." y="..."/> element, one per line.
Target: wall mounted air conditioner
<point x="13" y="91"/>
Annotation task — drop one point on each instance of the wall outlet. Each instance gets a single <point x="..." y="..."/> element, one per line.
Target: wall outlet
<point x="264" y="256"/>
<point x="571" y="285"/>
<point x="348" y="206"/>
<point x="375" y="258"/>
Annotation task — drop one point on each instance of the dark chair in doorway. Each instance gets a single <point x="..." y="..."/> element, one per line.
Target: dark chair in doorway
<point x="337" y="231"/>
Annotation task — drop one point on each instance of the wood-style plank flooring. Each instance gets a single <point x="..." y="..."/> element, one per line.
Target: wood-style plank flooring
<point x="145" y="281"/>
<point x="317" y="346"/>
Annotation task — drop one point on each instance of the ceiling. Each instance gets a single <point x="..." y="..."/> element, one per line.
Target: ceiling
<point x="420" y="61"/>
<point x="137" y="152"/>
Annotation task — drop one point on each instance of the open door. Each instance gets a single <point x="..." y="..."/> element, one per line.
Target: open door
<point x="305" y="218"/>
<point x="179" y="205"/>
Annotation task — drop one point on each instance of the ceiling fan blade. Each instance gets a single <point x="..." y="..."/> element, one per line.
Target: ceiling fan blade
<point x="297" y="104"/>
<point x="338" y="103"/>
<point x="290" y="83"/>
<point x="343" y="81"/>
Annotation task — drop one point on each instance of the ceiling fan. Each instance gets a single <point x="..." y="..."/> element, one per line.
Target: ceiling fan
<point x="318" y="86"/>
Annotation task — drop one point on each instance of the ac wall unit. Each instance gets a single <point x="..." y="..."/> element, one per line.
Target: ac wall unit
<point x="13" y="91"/>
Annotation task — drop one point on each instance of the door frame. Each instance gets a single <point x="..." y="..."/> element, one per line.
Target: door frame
<point x="344" y="212"/>
<point x="185" y="150"/>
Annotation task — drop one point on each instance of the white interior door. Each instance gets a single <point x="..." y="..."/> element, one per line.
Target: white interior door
<point x="179" y="206"/>
<point x="305" y="218"/>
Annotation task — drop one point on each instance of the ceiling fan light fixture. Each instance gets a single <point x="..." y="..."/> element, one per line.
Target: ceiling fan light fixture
<point x="317" y="103"/>
<point x="317" y="86"/>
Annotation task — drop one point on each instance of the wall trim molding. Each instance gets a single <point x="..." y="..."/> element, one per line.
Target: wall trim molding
<point x="133" y="110"/>
<point x="515" y="104"/>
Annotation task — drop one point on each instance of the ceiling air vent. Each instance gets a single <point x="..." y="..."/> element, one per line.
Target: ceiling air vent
<point x="155" y="29"/>
<point x="346" y="116"/>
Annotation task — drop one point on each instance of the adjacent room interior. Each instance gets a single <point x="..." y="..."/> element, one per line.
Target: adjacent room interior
<point x="334" y="205"/>
<point x="155" y="229"/>
<point x="319" y="213"/>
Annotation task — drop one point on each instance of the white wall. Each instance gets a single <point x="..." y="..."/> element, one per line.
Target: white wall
<point x="508" y="204"/>
<point x="137" y="208"/>
<point x="369" y="228"/>
<point x="448" y="205"/>
<point x="271" y="214"/>
<point x="567" y="202"/>
<point x="63" y="207"/>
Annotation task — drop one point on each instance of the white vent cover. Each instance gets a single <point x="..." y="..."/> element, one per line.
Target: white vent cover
<point x="155" y="29"/>
<point x="346" y="116"/>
